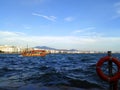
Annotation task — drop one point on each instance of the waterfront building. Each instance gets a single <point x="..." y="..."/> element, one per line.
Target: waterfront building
<point x="9" y="49"/>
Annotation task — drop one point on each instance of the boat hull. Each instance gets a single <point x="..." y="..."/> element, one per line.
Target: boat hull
<point x="32" y="53"/>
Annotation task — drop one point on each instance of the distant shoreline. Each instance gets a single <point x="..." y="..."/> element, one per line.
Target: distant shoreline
<point x="58" y="53"/>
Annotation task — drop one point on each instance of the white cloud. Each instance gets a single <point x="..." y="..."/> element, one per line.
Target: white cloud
<point x="117" y="4"/>
<point x="10" y="34"/>
<point x="77" y="31"/>
<point x="51" y="18"/>
<point x="26" y="27"/>
<point x="117" y="10"/>
<point x="87" y="32"/>
<point x="69" y="19"/>
<point x="78" y="42"/>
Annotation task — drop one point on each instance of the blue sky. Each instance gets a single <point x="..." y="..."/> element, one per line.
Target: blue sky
<point x="63" y="24"/>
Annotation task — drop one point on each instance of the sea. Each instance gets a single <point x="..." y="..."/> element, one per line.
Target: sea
<point x="52" y="72"/>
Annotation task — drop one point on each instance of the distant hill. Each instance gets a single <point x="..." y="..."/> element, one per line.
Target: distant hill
<point x="45" y="47"/>
<point x="72" y="50"/>
<point x="49" y="48"/>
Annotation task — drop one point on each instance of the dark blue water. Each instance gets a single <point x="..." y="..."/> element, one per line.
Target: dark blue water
<point x="53" y="70"/>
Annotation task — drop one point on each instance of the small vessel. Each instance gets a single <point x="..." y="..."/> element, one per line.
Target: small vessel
<point x="34" y="53"/>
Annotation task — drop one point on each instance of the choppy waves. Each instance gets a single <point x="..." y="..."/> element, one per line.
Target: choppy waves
<point x="54" y="70"/>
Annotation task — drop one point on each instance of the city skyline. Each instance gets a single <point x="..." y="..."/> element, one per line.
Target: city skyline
<point x="63" y="24"/>
<point x="17" y="50"/>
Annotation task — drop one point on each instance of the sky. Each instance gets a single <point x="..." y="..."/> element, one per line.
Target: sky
<point x="61" y="24"/>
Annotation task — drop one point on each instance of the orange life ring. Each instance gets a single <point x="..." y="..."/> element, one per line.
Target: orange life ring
<point x="106" y="77"/>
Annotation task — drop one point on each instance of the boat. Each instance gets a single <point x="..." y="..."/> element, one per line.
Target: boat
<point x="34" y="53"/>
